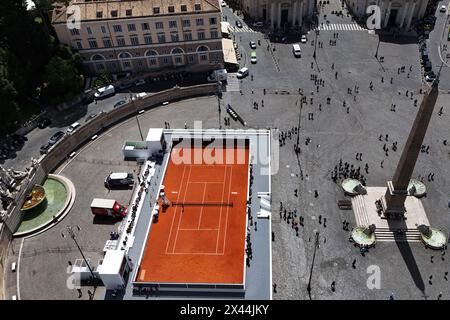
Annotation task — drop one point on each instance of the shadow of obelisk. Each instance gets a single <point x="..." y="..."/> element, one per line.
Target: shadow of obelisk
<point x="393" y="202"/>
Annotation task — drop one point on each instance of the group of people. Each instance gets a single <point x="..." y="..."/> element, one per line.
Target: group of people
<point x="287" y="134"/>
<point x="291" y="218"/>
<point x="345" y="170"/>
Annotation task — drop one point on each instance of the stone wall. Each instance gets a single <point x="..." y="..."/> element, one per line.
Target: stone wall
<point x="5" y="239"/>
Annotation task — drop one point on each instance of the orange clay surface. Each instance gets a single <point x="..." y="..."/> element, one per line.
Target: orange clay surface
<point x="199" y="244"/>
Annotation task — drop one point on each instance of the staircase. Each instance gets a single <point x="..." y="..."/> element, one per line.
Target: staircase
<point x="359" y="208"/>
<point x="382" y="234"/>
<point x="408" y="235"/>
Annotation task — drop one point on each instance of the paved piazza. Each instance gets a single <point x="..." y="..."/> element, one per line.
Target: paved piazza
<point x="405" y="268"/>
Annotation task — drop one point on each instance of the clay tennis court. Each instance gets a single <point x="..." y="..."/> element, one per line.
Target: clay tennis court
<point x="200" y="237"/>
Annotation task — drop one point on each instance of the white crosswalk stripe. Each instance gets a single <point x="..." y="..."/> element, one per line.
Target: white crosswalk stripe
<point x="341" y="27"/>
<point x="235" y="29"/>
<point x="233" y="83"/>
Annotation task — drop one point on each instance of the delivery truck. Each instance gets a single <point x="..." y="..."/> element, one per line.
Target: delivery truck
<point x="108" y="207"/>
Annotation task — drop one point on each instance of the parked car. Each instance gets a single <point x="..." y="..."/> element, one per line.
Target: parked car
<point x="43" y="123"/>
<point x="72" y="127"/>
<point x="119" y="103"/>
<point x="56" y="137"/>
<point x="119" y="180"/>
<point x="139" y="96"/>
<point x="92" y="116"/>
<point x="45" y="148"/>
<point x="258" y="24"/>
<point x="104" y="92"/>
<point x="139" y="82"/>
<point x="125" y="85"/>
<point x="238" y="24"/>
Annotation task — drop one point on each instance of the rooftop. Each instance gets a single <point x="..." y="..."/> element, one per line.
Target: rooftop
<point x="117" y="9"/>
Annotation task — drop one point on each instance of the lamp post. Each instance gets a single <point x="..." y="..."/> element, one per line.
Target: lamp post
<point x="137" y="120"/>
<point x="316" y="244"/>
<point x="378" y="46"/>
<point x="315" y="46"/>
<point x="72" y="234"/>
<point x="219" y="95"/>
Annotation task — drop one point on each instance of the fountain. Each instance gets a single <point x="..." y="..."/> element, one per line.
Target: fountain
<point x="36" y="196"/>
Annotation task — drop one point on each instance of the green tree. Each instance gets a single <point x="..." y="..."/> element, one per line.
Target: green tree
<point x="8" y="95"/>
<point x="61" y="81"/>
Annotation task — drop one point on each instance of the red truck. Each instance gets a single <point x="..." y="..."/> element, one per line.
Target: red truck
<point x="108" y="207"/>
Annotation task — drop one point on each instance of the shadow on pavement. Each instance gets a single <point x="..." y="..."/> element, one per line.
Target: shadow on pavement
<point x="408" y="256"/>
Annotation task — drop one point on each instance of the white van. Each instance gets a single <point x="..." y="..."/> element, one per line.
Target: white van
<point x="139" y="96"/>
<point x="297" y="50"/>
<point x="242" y="73"/>
<point x="72" y="127"/>
<point x="104" y="92"/>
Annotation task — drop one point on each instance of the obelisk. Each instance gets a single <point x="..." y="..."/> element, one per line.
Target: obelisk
<point x="393" y="201"/>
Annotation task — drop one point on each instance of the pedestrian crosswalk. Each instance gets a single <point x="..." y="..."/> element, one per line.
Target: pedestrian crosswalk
<point x="247" y="29"/>
<point x="340" y="27"/>
<point x="233" y="83"/>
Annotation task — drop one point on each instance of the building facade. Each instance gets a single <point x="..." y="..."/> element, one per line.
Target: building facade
<point x="397" y="13"/>
<point x="143" y="36"/>
<point x="279" y="13"/>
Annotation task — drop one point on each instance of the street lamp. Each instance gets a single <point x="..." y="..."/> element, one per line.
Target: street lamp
<point x="315" y="46"/>
<point x="316" y="245"/>
<point x="137" y="120"/>
<point x="72" y="234"/>
<point x="378" y="46"/>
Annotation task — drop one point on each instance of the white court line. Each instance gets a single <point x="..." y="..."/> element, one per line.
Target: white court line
<point x="221" y="208"/>
<point x="204" y="182"/>
<point x="201" y="210"/>
<point x="175" y="211"/>
<point x="192" y="229"/>
<point x="181" y="214"/>
<point x="226" y="219"/>
<point x="200" y="253"/>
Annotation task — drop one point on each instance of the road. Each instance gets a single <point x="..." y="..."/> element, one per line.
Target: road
<point x="437" y="39"/>
<point x="21" y="158"/>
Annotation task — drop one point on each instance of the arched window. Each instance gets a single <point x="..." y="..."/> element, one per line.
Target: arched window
<point x="177" y="56"/>
<point x="125" y="60"/>
<point x="97" y="57"/>
<point x="152" y="59"/>
<point x="99" y="66"/>
<point x="202" y="49"/>
<point x="177" y="51"/>
<point x="203" y="54"/>
<point x="124" y="55"/>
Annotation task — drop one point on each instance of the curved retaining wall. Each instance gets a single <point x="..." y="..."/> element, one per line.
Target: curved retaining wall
<point x="70" y="143"/>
